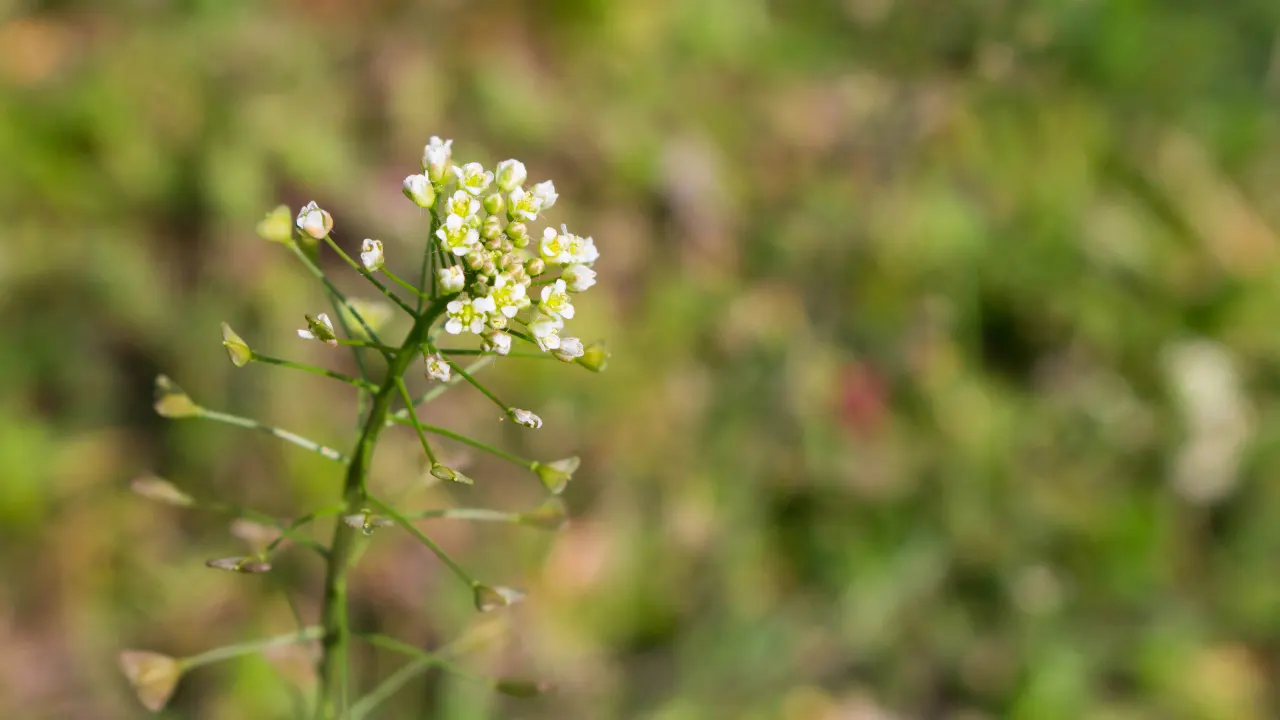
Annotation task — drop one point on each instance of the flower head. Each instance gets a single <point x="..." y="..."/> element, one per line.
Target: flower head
<point x="578" y="278"/>
<point x="463" y="204"/>
<point x="451" y="279"/>
<point x="467" y="314"/>
<point x="435" y="158"/>
<point x="456" y="236"/>
<point x="511" y="175"/>
<point x="546" y="330"/>
<point x="508" y="295"/>
<point x="418" y="188"/>
<point x="437" y="367"/>
<point x="546" y="194"/>
<point x="570" y="349"/>
<point x="557" y="247"/>
<point x="555" y="300"/>
<point x="525" y="418"/>
<point x="319" y="328"/>
<point x="313" y="221"/>
<point x="473" y="178"/>
<point x="371" y="255"/>
<point x="523" y="206"/>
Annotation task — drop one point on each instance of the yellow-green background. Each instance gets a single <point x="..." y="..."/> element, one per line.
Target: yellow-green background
<point x="901" y="295"/>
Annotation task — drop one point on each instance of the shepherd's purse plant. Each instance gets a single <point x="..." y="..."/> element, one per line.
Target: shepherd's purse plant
<point x="488" y="273"/>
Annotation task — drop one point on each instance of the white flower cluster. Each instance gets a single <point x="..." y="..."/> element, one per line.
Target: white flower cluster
<point x="501" y="275"/>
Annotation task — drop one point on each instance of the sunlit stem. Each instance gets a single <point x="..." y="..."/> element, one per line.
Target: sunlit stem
<point x="369" y="276"/>
<point x="440" y="389"/>
<point x="477" y="351"/>
<point x="467" y="376"/>
<point x="445" y="432"/>
<point x="527" y="338"/>
<point x="422" y="663"/>
<point x="404" y="284"/>
<point x="289" y="437"/>
<point x="336" y="295"/>
<point x="366" y="344"/>
<point x="362" y="384"/>
<point x="413" y="420"/>
<point x="435" y="549"/>
<point x="473" y="514"/>
<point x="287" y="532"/>
<point x="248" y="648"/>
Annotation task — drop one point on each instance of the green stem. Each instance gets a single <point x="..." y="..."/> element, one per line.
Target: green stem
<point x="413" y="419"/>
<point x="435" y="549"/>
<point x="260" y="517"/>
<point x="440" y="389"/>
<point x="474" y="514"/>
<point x="467" y="376"/>
<point x="334" y="612"/>
<point x="369" y="276"/>
<point x="385" y="349"/>
<point x="362" y="384"/>
<point x="285" y="435"/>
<point x="404" y="284"/>
<point x="429" y="253"/>
<point x="477" y="351"/>
<point x="248" y="648"/>
<point x="288" y="530"/>
<point x="445" y="432"/>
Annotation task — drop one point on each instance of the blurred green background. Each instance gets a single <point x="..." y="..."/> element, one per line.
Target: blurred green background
<point x="945" y="352"/>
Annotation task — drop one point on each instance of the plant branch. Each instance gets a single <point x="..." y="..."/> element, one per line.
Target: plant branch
<point x="287" y="436"/>
<point x="357" y="382"/>
<point x="369" y="276"/>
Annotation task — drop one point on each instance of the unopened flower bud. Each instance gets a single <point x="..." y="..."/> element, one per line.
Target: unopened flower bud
<point x="161" y="490"/>
<point x="448" y="474"/>
<point x="419" y="189"/>
<point x="152" y="675"/>
<point x="475" y="259"/>
<point x="594" y="357"/>
<point x="494" y="203"/>
<point x="452" y="279"/>
<point x="518" y="232"/>
<point x="276" y="226"/>
<point x="489" y="598"/>
<point x="371" y="255"/>
<point x="437" y="367"/>
<point x="496" y="342"/>
<point x="315" y="222"/>
<point x="491" y="229"/>
<point x="436" y="157"/>
<point x="498" y="322"/>
<point x="319" y="328"/>
<point x="525" y="418"/>
<point x="248" y="565"/>
<point x="518" y="274"/>
<point x="171" y="401"/>
<point x="556" y="475"/>
<point x="237" y="349"/>
<point x="535" y="267"/>
<point x="521" y="687"/>
<point x="570" y="349"/>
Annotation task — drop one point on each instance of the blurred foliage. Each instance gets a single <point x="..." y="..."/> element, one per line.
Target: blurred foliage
<point x="944" y="355"/>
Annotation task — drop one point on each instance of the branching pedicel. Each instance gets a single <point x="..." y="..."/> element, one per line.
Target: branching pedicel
<point x="483" y="273"/>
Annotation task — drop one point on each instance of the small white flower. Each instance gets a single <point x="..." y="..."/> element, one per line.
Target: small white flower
<point x="524" y="206"/>
<point x="546" y="193"/>
<point x="570" y="348"/>
<point x="437" y="367"/>
<point x="418" y="188"/>
<point x="508" y="295"/>
<point x="313" y="221"/>
<point x="525" y="418"/>
<point x="578" y="277"/>
<point x="555" y="300"/>
<point x="546" y="331"/>
<point x="555" y="247"/>
<point x="456" y="236"/>
<point x="467" y="314"/>
<point x="319" y="328"/>
<point x="463" y="204"/>
<point x="371" y="255"/>
<point x="586" y="253"/>
<point x="496" y="342"/>
<point x="511" y="175"/>
<point x="452" y="279"/>
<point x="473" y="178"/>
<point x="435" y="158"/>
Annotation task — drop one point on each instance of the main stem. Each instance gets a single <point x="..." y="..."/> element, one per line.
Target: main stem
<point x="333" y="617"/>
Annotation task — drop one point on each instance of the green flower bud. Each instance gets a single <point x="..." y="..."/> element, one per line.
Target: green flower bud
<point x="494" y="204"/>
<point x="491" y="229"/>
<point x="595" y="357"/>
<point x="171" y="401"/>
<point x="448" y="474"/>
<point x="152" y="675"/>
<point x="535" y="267"/>
<point x="519" y="234"/>
<point x="521" y="688"/>
<point x="277" y="226"/>
<point x="237" y="349"/>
